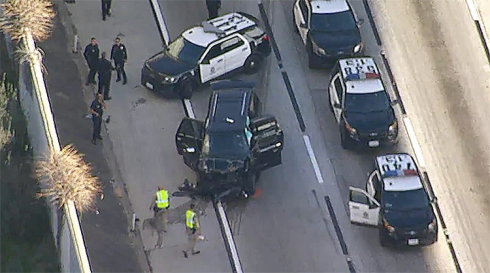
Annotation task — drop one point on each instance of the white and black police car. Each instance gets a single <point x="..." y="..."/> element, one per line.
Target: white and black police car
<point x="203" y="53"/>
<point x="361" y="105"/>
<point x="397" y="202"/>
<point x="328" y="28"/>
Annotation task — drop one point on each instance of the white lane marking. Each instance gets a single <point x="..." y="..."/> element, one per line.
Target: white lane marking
<point x="229" y="238"/>
<point x="473" y="10"/>
<point x="161" y="21"/>
<point x="413" y="140"/>
<point x="314" y="162"/>
<point x="189" y="109"/>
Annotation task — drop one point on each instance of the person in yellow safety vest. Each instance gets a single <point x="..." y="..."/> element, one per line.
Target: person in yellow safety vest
<point x="192" y="229"/>
<point x="160" y="204"/>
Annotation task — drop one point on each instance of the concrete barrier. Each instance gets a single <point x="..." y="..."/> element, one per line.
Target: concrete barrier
<point x="43" y="135"/>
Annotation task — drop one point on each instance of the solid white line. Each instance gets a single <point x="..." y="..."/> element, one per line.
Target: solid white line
<point x="161" y="21"/>
<point x="413" y="140"/>
<point x="313" y="160"/>
<point x="189" y="109"/>
<point x="229" y="238"/>
<point x="473" y="10"/>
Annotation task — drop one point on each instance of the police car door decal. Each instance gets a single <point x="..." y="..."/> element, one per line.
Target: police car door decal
<point x="363" y="209"/>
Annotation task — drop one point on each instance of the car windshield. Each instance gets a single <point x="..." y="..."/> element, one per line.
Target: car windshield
<point x="232" y="145"/>
<point x="369" y="102"/>
<point x="185" y="51"/>
<point x="330" y="22"/>
<point x="405" y="200"/>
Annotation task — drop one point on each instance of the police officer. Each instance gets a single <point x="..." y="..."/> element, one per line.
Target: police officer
<point x="91" y="55"/>
<point x="120" y="56"/>
<point x="106" y="8"/>
<point x="97" y="109"/>
<point x="192" y="229"/>
<point x="105" y="73"/>
<point x="160" y="205"/>
<point x="213" y="7"/>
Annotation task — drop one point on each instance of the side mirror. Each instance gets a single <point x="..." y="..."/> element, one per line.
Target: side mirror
<point x="336" y="105"/>
<point x="303" y="25"/>
<point x="360" y="22"/>
<point x="190" y="150"/>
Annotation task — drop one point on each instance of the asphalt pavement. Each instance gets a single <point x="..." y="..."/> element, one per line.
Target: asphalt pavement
<point x="288" y="227"/>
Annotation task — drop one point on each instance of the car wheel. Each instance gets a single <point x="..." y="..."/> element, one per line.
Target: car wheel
<point x="383" y="241"/>
<point x="253" y="63"/>
<point x="251" y="184"/>
<point x="294" y="24"/>
<point x="344" y="142"/>
<point x="185" y="88"/>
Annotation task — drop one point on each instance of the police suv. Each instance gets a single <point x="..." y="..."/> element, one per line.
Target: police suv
<point x="361" y="104"/>
<point x="203" y="53"/>
<point x="328" y="28"/>
<point x="396" y="201"/>
<point x="234" y="144"/>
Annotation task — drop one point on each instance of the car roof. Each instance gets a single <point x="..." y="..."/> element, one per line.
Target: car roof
<point x="211" y="30"/>
<point x="360" y="75"/>
<point x="329" y="6"/>
<point x="228" y="110"/>
<point x="405" y="178"/>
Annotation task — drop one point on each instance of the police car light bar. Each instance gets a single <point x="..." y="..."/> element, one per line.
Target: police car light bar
<point x="361" y="76"/>
<point x="400" y="173"/>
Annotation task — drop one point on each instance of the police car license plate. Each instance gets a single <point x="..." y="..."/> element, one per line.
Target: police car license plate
<point x="373" y="143"/>
<point x="149" y="85"/>
<point x="413" y="242"/>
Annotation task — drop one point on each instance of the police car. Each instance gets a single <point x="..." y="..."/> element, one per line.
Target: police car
<point x="328" y="28"/>
<point x="235" y="142"/>
<point x="361" y="105"/>
<point x="396" y="201"/>
<point x="203" y="53"/>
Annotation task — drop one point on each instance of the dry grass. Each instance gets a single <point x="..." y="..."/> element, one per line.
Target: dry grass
<point x="65" y="176"/>
<point x="22" y="16"/>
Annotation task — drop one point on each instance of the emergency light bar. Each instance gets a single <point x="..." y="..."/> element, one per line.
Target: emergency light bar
<point x="361" y="76"/>
<point x="400" y="173"/>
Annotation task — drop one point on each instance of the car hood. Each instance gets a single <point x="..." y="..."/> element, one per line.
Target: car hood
<point x="371" y="122"/>
<point x="414" y="218"/>
<point x="336" y="41"/>
<point x="164" y="64"/>
<point x="220" y="165"/>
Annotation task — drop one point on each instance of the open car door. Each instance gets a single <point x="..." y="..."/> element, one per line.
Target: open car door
<point x="363" y="209"/>
<point x="267" y="142"/>
<point x="188" y="141"/>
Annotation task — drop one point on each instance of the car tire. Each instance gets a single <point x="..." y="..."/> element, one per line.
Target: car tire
<point x="383" y="241"/>
<point x="251" y="184"/>
<point x="185" y="89"/>
<point x="294" y="24"/>
<point x="312" y="61"/>
<point x="253" y="63"/>
<point x="344" y="141"/>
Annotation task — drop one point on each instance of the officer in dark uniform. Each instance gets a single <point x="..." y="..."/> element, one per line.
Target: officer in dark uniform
<point x="106" y="8"/>
<point x="97" y="110"/>
<point x="105" y="73"/>
<point x="91" y="55"/>
<point x="213" y="7"/>
<point x="120" y="56"/>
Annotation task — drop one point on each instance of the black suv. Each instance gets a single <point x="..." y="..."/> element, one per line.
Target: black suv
<point x="235" y="142"/>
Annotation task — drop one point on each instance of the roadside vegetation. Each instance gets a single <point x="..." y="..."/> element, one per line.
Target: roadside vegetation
<point x="27" y="244"/>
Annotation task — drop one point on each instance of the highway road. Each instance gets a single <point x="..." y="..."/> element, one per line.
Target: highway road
<point x="288" y="228"/>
